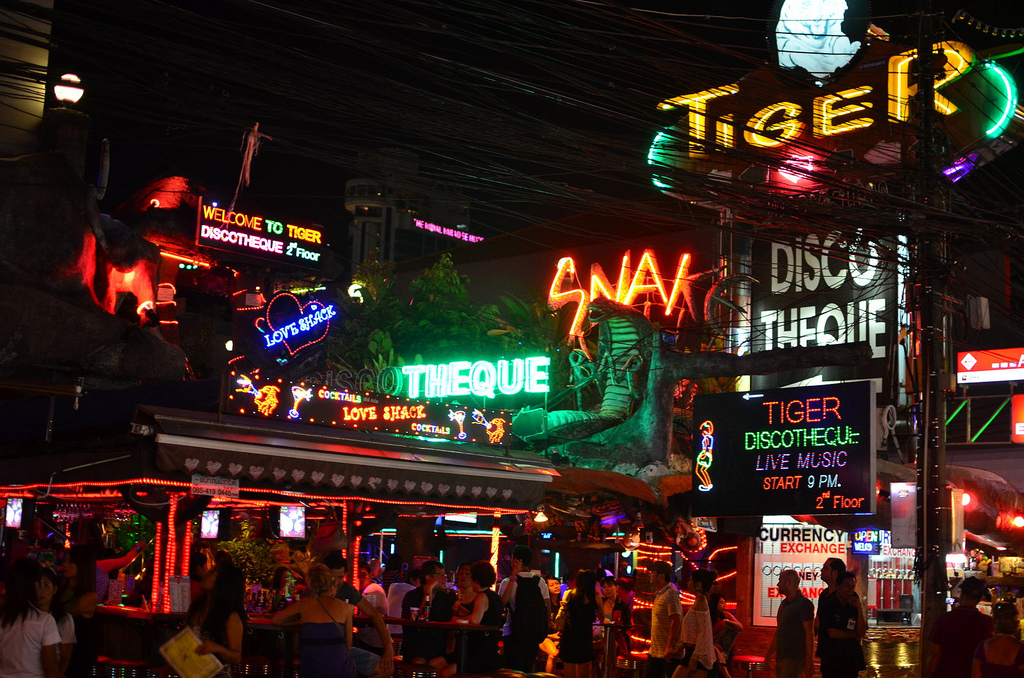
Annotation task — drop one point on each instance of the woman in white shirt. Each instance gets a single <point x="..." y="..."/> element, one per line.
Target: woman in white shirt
<point x="47" y="600"/>
<point x="699" y="659"/>
<point x="28" y="636"/>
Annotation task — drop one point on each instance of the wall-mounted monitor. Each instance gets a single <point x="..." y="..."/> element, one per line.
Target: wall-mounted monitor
<point x="292" y="522"/>
<point x="215" y="524"/>
<point x="14" y="512"/>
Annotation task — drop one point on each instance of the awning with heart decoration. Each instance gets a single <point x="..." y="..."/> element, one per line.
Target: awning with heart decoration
<point x="393" y="469"/>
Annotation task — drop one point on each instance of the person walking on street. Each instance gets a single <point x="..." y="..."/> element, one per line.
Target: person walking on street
<point x="699" y="658"/>
<point x="666" y="623"/>
<point x="957" y="633"/>
<point x="843" y="625"/>
<point x="522" y="637"/>
<point x="1001" y="656"/>
<point x="830" y="571"/>
<point x="792" y="646"/>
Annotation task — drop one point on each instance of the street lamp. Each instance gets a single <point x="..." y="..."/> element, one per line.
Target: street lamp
<point x="68" y="91"/>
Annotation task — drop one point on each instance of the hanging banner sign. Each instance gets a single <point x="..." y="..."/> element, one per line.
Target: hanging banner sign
<point x="795" y="451"/>
<point x="257" y="235"/>
<point x="323" y="406"/>
<point x="213" y="486"/>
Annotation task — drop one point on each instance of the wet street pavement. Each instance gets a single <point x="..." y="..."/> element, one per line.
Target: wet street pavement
<point x="890" y="651"/>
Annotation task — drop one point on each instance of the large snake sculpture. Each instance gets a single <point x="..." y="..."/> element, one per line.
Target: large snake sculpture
<point x="623" y="358"/>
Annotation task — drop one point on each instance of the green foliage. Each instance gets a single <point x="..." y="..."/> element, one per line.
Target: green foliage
<point x="251" y="554"/>
<point x="438" y="322"/>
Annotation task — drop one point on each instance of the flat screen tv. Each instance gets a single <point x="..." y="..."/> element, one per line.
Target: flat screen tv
<point x="209" y="527"/>
<point x="292" y="522"/>
<point x="13" y="514"/>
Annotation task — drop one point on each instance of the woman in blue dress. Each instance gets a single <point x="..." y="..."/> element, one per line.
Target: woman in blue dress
<point x="326" y="628"/>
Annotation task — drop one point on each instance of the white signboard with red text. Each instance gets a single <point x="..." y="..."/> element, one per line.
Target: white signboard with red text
<point x="791" y="546"/>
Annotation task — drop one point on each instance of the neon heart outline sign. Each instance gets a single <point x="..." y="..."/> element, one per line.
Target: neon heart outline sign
<point x="287" y="321"/>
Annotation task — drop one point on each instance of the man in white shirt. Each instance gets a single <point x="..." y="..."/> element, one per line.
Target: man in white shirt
<point x="666" y="616"/>
<point x="396" y="594"/>
<point x="374" y="594"/>
<point x="520" y="653"/>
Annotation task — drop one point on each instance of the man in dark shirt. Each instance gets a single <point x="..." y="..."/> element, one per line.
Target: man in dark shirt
<point x="842" y="625"/>
<point x="367" y="663"/>
<point x="958" y="632"/>
<point x="421" y="644"/>
<point x="793" y="642"/>
<point x="830" y="571"/>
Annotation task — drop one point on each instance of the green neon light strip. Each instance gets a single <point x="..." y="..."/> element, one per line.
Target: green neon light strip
<point x="990" y="420"/>
<point x="953" y="416"/>
<point x="1011" y="101"/>
<point x="651" y="150"/>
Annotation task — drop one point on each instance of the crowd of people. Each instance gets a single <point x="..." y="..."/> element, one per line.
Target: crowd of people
<point x="49" y="628"/>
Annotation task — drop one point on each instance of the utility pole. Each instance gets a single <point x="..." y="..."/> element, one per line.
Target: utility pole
<point x="928" y="291"/>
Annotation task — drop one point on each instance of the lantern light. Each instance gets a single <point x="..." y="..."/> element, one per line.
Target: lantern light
<point x="1018" y="521"/>
<point x="540" y="517"/>
<point x="966" y="500"/>
<point x="69" y="90"/>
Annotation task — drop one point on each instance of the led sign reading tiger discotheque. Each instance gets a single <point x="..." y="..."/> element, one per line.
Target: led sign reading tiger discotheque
<point x="793" y="451"/>
<point x="259" y="236"/>
<point x="324" y="406"/>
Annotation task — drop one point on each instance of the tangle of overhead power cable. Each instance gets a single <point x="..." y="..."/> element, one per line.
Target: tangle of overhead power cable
<point x="554" y="157"/>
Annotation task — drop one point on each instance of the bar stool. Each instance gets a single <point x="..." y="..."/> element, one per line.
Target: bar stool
<point x="634" y="663"/>
<point x="748" y="663"/>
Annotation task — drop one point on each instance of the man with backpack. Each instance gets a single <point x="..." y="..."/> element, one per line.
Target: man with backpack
<point x="529" y="602"/>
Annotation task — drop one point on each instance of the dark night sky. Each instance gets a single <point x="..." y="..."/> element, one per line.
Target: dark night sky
<point x="539" y="109"/>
